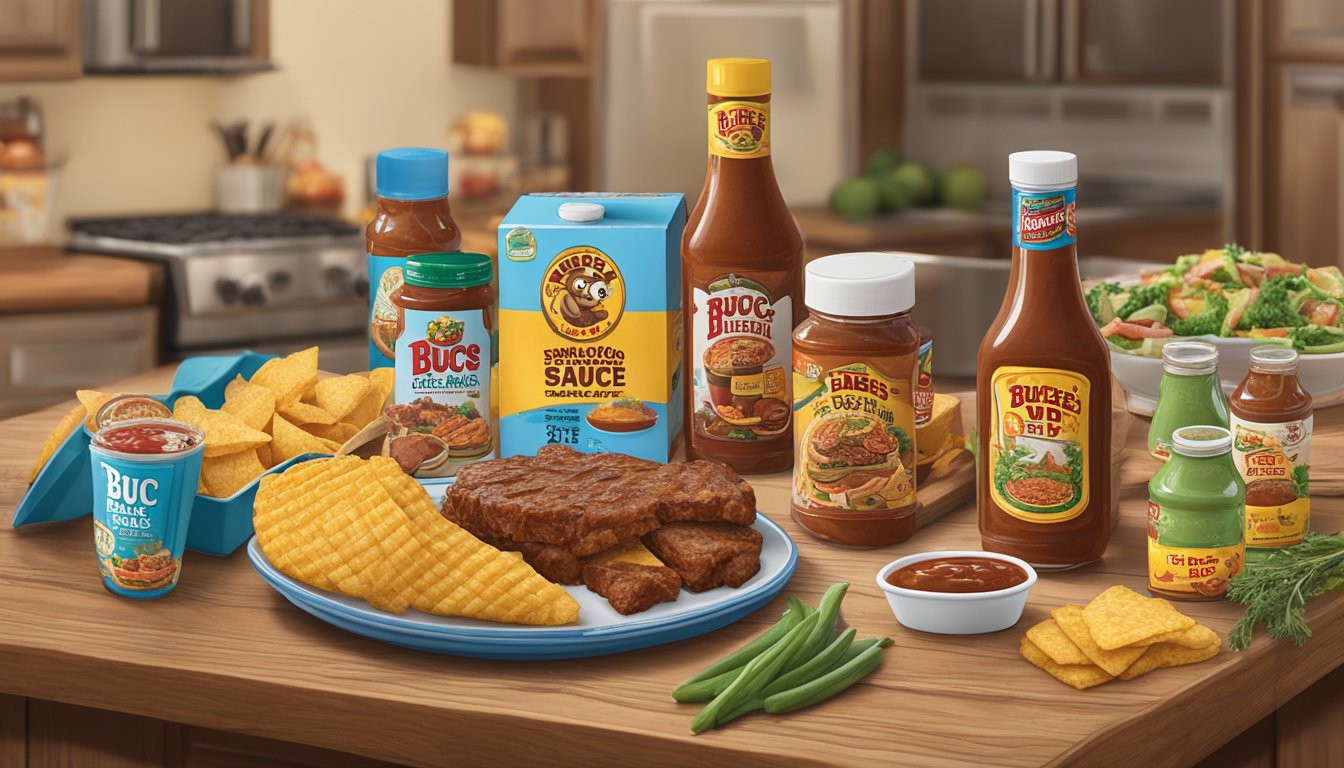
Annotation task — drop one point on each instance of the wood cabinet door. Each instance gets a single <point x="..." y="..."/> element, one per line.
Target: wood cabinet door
<point x="538" y="38"/>
<point x="1305" y="30"/>
<point x="1304" y="176"/>
<point x="39" y="39"/>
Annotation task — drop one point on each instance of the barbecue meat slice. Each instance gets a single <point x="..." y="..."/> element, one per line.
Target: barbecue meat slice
<point x="708" y="555"/>
<point x="631" y="587"/>
<point x="589" y="503"/>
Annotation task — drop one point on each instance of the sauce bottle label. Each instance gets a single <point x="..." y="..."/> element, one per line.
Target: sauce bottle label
<point x="854" y="437"/>
<point x="741" y="353"/>
<point x="924" y="384"/>
<point x="442" y="393"/>
<point x="1038" y="447"/>
<point x="385" y="279"/>
<point x="1044" y="221"/>
<point x="1194" y="571"/>
<point x="1274" y="460"/>
<point x="739" y="129"/>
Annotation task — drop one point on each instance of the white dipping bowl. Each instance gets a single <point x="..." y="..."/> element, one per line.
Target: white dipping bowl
<point x="1321" y="375"/>
<point x="956" y="613"/>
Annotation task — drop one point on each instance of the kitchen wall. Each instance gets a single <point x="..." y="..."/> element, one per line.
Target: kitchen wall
<point x="367" y="76"/>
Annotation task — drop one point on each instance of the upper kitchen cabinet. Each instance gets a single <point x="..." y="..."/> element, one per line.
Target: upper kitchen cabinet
<point x="39" y="40"/>
<point x="1304" y="163"/>
<point x="538" y="38"/>
<point x="1306" y="30"/>
<point x="1072" y="41"/>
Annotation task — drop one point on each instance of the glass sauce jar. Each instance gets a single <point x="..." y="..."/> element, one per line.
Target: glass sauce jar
<point x="855" y="363"/>
<point x="1271" y="432"/>
<point x="1189" y="394"/>
<point x="1196" y="504"/>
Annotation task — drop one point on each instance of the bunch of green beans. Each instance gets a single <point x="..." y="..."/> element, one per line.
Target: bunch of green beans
<point x="798" y="662"/>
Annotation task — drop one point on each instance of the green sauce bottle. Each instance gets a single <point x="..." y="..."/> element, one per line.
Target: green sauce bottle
<point x="1189" y="394"/>
<point x="1196" y="513"/>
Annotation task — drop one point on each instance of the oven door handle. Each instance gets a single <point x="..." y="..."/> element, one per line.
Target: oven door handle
<point x="145" y="15"/>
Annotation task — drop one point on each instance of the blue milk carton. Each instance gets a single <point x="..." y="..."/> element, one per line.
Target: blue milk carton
<point x="590" y="324"/>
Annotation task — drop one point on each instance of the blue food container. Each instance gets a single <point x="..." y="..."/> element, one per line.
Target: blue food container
<point x="63" y="490"/>
<point x="141" y="509"/>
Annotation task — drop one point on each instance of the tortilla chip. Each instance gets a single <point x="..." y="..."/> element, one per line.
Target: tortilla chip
<point x="253" y="404"/>
<point x="299" y="412"/>
<point x="1071" y="623"/>
<point x="1053" y="642"/>
<point x="264" y="455"/>
<point x="1120" y="616"/>
<point x="339" y="396"/>
<point x="1079" y="676"/>
<point x="224" y="432"/>
<point x="226" y="475"/>
<point x="68" y="424"/>
<point x="382" y="379"/>
<point x="290" y="441"/>
<point x="370" y="408"/>
<point x="188" y="406"/>
<point x="288" y="376"/>
<point x="338" y="433"/>
<point x="92" y="400"/>
<point x="1163" y="655"/>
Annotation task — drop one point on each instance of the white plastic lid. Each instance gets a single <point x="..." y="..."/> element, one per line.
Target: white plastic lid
<point x="1201" y="441"/>
<point x="1043" y="169"/>
<point x="581" y="213"/>
<point x="1190" y="358"/>
<point x="860" y="284"/>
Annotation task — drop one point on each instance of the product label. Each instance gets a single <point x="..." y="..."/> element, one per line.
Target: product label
<point x="135" y="522"/>
<point x="924" y="384"/>
<point x="1274" y="460"/>
<point x="1038" y="447"/>
<point x="739" y="129"/>
<point x="854" y="437"/>
<point x="1043" y="221"/>
<point x="740" y="357"/>
<point x="1202" y="571"/>
<point x="441" y="418"/>
<point x="582" y="294"/>
<point x="385" y="324"/>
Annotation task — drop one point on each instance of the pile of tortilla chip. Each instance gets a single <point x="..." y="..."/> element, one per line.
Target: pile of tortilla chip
<point x="1119" y="634"/>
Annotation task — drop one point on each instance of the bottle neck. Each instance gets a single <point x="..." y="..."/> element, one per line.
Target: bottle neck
<point x="824" y="317"/>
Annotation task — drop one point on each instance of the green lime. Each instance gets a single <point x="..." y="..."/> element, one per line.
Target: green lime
<point x="883" y="161"/>
<point x="918" y="180"/>
<point x="896" y="194"/>
<point x="856" y="198"/>
<point x="961" y="187"/>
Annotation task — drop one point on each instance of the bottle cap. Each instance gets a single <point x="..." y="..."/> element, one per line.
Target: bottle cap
<point x="412" y="174"/>
<point x="860" y="284"/>
<point x="1201" y="441"/>
<point x="581" y="213"/>
<point x="448" y="270"/>
<point x="1043" y="169"/>
<point x="738" y="77"/>
<point x="1189" y="358"/>
<point x="1271" y="359"/>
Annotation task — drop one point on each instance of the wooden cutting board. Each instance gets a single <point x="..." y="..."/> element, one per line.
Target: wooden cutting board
<point x="46" y="279"/>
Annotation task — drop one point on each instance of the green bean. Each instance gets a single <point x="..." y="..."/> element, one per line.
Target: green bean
<point x="751" y="705"/>
<point x="858" y="647"/>
<point x="704" y="690"/>
<point x="814" y="667"/>
<point x="829" y="608"/>
<point x="739" y="658"/>
<point x="826" y="686"/>
<point x="756" y="675"/>
<point x="804" y="610"/>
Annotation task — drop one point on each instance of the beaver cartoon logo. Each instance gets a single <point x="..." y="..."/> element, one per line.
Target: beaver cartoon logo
<point x="583" y="294"/>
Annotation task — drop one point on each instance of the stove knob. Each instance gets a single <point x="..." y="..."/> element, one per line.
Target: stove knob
<point x="279" y="279"/>
<point x="227" y="289"/>
<point x="338" y="278"/>
<point x="252" y="290"/>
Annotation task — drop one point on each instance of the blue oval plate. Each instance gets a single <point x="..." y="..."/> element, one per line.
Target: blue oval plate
<point x="600" y="630"/>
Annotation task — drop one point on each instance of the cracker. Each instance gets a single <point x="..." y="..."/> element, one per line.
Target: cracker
<point x="1071" y="623"/>
<point x="1051" y="640"/>
<point x="1120" y="616"/>
<point x="1079" y="676"/>
<point x="1163" y="655"/>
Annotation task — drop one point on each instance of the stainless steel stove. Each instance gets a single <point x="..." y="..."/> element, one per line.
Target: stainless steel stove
<point x="269" y="282"/>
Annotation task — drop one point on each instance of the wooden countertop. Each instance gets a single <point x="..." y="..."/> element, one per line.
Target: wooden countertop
<point x="47" y="279"/>
<point x="226" y="652"/>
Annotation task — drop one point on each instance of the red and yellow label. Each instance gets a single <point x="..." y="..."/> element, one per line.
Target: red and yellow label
<point x="1038" y="447"/>
<point x="1274" y="460"/>
<point x="739" y="129"/>
<point x="1202" y="571"/>
<point x="854" y="437"/>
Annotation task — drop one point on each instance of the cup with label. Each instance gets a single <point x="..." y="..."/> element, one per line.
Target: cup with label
<point x="145" y="474"/>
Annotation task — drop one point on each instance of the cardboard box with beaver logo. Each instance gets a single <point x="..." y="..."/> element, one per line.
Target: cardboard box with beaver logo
<point x="590" y="324"/>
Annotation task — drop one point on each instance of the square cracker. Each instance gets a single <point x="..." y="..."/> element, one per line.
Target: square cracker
<point x="1053" y="642"/>
<point x="1079" y="676"/>
<point x="1071" y="623"/>
<point x="1120" y="616"/>
<point x="1171" y="655"/>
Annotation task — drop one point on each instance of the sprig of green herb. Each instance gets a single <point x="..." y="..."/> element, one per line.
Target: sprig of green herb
<point x="1275" y="592"/>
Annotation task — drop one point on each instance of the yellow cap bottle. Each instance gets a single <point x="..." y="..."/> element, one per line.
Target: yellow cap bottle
<point x="738" y="77"/>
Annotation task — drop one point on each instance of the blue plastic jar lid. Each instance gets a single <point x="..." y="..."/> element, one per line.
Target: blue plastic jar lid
<point x="412" y="173"/>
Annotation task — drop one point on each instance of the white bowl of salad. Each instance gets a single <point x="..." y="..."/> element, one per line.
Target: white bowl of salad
<point x="1236" y="299"/>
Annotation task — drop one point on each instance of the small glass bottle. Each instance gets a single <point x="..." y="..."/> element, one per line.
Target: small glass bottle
<point x="1196" y="504"/>
<point x="1189" y="394"/>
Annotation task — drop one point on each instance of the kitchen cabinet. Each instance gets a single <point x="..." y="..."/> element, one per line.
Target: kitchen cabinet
<point x="1305" y="30"/>
<point x="538" y="38"/>
<point x="39" y="40"/>
<point x="1304" y="163"/>
<point x="1144" y="41"/>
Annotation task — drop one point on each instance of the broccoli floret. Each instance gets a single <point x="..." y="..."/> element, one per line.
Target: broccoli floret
<point x="1273" y="308"/>
<point x="1099" y="301"/>
<point x="1318" y="338"/>
<point x="1141" y="296"/>
<point x="1206" y="323"/>
<point x="1184" y="264"/>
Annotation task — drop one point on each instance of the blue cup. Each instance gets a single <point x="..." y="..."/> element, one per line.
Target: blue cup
<point x="142" y="503"/>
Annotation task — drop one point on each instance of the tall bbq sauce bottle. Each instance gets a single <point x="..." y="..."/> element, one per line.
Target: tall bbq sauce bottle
<point x="741" y="258"/>
<point x="1043" y="393"/>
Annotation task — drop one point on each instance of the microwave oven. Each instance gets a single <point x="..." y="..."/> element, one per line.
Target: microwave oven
<point x="175" y="36"/>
